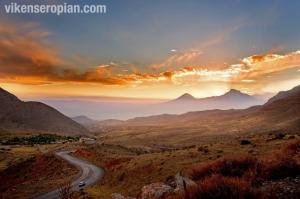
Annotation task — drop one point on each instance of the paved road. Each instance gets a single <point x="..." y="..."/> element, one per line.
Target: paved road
<point x="90" y="174"/>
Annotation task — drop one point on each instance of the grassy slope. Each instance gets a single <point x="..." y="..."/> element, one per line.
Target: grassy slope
<point x="127" y="172"/>
<point x="38" y="175"/>
<point x="28" y="170"/>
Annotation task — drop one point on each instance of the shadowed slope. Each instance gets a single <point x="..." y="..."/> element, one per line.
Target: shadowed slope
<point x="16" y="115"/>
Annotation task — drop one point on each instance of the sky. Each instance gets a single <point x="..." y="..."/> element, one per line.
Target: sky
<point x="152" y="49"/>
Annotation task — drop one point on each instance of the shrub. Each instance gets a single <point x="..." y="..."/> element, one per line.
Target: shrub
<point x="38" y="139"/>
<point x="242" y="177"/>
<point x="293" y="148"/>
<point x="279" y="136"/>
<point x="245" y="142"/>
<point x="203" y="149"/>
<point x="217" y="186"/>
<point x="233" y="167"/>
<point x="65" y="191"/>
<point x="285" y="163"/>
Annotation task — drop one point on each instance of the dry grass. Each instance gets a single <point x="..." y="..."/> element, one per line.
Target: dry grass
<point x="33" y="176"/>
<point x="285" y="163"/>
<point x="12" y="155"/>
<point x="243" y="177"/>
<point x="65" y="191"/>
<point x="127" y="169"/>
<point x="218" y="186"/>
<point x="232" y="167"/>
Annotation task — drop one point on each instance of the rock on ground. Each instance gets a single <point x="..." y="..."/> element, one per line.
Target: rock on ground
<point x="155" y="191"/>
<point x="119" y="196"/>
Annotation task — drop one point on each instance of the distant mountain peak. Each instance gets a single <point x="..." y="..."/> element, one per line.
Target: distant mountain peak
<point x="234" y="92"/>
<point x="186" y="96"/>
<point x="82" y="119"/>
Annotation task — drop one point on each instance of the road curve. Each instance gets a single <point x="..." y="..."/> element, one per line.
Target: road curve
<point x="89" y="173"/>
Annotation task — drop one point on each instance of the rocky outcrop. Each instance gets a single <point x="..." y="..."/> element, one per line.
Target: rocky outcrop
<point x="182" y="181"/>
<point x="159" y="190"/>
<point x="155" y="191"/>
<point x="119" y="196"/>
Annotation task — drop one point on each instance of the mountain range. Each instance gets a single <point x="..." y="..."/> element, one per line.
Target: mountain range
<point x="29" y="117"/>
<point x="102" y="110"/>
<point x="280" y="113"/>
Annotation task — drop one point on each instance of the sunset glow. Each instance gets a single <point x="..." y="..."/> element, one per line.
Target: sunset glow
<point x="34" y="59"/>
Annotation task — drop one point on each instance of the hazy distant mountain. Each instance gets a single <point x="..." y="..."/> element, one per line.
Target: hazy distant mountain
<point x="184" y="98"/>
<point x="102" y="110"/>
<point x="19" y="116"/>
<point x="83" y="120"/>
<point x="230" y="95"/>
<point x="280" y="113"/>
<point x="232" y="99"/>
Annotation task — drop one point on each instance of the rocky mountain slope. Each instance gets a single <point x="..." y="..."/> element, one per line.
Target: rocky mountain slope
<point x="16" y="115"/>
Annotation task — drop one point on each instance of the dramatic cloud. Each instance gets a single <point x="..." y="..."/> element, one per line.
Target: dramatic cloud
<point x="179" y="59"/>
<point x="27" y="58"/>
<point x="249" y="69"/>
<point x="259" y="65"/>
<point x="23" y="53"/>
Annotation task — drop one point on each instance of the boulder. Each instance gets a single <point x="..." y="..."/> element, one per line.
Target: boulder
<point x="119" y="196"/>
<point x="155" y="191"/>
<point x="179" y="181"/>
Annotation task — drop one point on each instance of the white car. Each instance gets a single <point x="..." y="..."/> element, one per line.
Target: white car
<point x="81" y="184"/>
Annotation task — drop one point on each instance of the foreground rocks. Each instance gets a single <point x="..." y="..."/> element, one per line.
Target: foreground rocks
<point x="181" y="182"/>
<point x="159" y="190"/>
<point x="155" y="191"/>
<point x="119" y="196"/>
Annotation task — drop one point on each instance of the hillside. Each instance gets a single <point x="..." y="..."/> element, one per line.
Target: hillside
<point x="279" y="108"/>
<point x="278" y="115"/>
<point x="19" y="116"/>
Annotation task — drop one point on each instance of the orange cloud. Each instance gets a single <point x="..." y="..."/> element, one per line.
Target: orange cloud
<point x="24" y="53"/>
<point x="249" y="68"/>
<point x="27" y="58"/>
<point x="259" y="65"/>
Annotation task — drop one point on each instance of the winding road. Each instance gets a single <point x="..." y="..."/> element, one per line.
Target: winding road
<point x="89" y="173"/>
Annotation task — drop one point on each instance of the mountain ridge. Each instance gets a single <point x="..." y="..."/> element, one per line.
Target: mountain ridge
<point x="20" y="116"/>
<point x="278" y="114"/>
<point x="231" y="93"/>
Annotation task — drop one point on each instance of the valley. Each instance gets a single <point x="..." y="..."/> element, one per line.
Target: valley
<point x="145" y="150"/>
<point x="140" y="99"/>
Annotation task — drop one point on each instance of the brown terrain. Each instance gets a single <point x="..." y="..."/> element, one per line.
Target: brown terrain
<point x="280" y="114"/>
<point x="35" y="176"/>
<point x="244" y="153"/>
<point x="22" y="117"/>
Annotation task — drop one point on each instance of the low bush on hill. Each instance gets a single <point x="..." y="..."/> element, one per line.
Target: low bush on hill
<point x="39" y="139"/>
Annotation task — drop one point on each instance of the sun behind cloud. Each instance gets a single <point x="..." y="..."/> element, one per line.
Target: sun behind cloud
<point x="28" y="58"/>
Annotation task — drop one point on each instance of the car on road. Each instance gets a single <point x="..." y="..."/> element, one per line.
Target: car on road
<point x="81" y="184"/>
